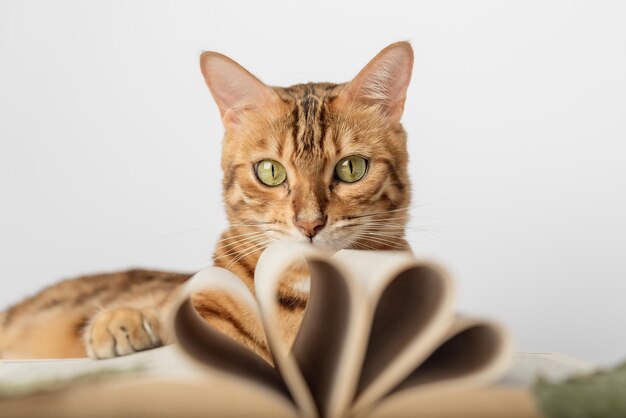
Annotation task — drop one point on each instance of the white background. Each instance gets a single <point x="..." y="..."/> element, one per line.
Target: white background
<point x="109" y="142"/>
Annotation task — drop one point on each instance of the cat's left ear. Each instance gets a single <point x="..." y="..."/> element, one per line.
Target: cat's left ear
<point x="383" y="82"/>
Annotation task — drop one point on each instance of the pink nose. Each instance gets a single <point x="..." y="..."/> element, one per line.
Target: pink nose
<point x="310" y="227"/>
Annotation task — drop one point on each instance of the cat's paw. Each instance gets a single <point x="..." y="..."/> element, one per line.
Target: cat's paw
<point x="122" y="331"/>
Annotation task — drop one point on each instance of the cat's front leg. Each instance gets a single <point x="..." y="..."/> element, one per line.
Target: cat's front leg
<point x="121" y="331"/>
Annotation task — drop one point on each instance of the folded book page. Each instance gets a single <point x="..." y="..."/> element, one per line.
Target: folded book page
<point x="217" y="352"/>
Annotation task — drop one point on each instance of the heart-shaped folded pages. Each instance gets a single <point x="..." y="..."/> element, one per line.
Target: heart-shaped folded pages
<point x="403" y="307"/>
<point x="376" y="324"/>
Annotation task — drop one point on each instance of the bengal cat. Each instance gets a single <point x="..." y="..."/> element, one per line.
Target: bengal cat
<point x="319" y="163"/>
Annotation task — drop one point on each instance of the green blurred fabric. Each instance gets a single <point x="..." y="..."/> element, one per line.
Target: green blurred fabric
<point x="598" y="395"/>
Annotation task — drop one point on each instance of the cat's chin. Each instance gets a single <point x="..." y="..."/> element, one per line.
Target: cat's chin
<point x="314" y="242"/>
<point x="325" y="245"/>
<point x="317" y="242"/>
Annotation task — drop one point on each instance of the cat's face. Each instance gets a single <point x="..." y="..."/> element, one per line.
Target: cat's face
<point x="318" y="162"/>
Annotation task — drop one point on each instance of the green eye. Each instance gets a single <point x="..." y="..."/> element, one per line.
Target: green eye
<point x="271" y="173"/>
<point x="351" y="169"/>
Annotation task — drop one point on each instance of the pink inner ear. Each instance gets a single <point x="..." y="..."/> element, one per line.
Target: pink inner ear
<point x="233" y="87"/>
<point x="384" y="80"/>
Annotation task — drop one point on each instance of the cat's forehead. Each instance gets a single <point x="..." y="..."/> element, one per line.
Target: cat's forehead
<point x="305" y="91"/>
<point x="308" y="121"/>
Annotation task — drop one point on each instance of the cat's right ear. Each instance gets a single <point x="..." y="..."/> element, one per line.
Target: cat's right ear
<point x="234" y="89"/>
<point x="382" y="83"/>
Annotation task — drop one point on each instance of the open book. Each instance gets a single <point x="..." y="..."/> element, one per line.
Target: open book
<point x="379" y="338"/>
<point x="379" y="333"/>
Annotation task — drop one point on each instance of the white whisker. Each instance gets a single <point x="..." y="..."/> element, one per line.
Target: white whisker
<point x="240" y="237"/>
<point x="256" y="248"/>
<point x="379" y="239"/>
<point x="240" y="247"/>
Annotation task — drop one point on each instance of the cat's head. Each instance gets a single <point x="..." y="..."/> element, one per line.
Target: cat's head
<point x="318" y="162"/>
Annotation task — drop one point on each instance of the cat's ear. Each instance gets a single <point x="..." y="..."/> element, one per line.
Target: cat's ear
<point x="383" y="82"/>
<point x="234" y="89"/>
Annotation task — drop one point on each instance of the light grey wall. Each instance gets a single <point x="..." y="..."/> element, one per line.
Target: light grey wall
<point x="109" y="142"/>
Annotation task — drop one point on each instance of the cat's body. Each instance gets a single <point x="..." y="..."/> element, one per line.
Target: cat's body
<point x="52" y="324"/>
<point x="317" y="162"/>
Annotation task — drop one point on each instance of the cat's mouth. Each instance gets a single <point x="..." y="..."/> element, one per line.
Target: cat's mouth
<point x="314" y="241"/>
<point x="319" y="240"/>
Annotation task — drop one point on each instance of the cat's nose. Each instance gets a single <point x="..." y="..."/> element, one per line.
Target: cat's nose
<point x="310" y="227"/>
